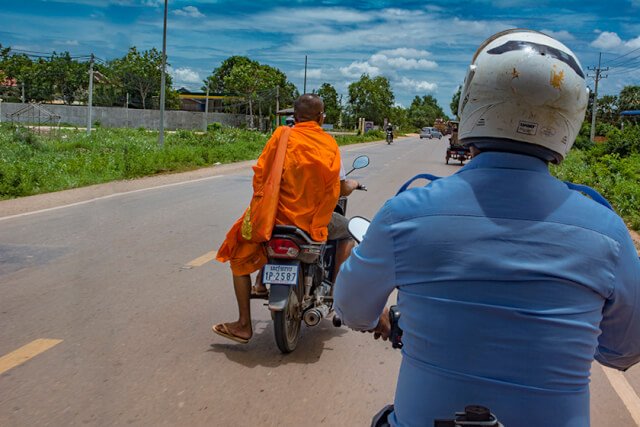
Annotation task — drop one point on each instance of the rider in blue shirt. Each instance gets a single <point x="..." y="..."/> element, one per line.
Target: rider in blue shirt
<point x="509" y="282"/>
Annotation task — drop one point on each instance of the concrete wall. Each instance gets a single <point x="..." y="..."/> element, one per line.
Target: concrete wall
<point x="131" y="118"/>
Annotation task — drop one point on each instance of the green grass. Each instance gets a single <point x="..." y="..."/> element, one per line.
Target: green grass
<point x="32" y="163"/>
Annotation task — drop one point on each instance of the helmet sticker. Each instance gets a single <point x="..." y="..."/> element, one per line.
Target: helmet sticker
<point x="556" y="78"/>
<point x="527" y="128"/>
<point x="541" y="49"/>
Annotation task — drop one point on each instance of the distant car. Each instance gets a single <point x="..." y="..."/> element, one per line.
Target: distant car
<point x="435" y="133"/>
<point x="426" y="133"/>
<point x="430" y="133"/>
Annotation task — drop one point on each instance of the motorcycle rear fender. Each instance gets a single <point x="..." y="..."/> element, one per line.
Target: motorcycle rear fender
<point x="278" y="295"/>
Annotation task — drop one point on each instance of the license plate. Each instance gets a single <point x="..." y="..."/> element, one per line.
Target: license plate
<point x="279" y="274"/>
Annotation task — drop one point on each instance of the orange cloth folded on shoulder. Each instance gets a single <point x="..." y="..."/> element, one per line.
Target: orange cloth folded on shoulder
<point x="309" y="191"/>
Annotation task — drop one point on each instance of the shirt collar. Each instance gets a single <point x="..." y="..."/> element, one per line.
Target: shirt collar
<point x="500" y="160"/>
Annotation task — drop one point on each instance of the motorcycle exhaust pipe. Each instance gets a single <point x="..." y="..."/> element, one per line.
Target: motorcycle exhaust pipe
<point x="314" y="315"/>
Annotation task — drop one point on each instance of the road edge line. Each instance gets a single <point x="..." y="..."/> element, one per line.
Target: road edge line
<point x="624" y="390"/>
<point x="108" y="196"/>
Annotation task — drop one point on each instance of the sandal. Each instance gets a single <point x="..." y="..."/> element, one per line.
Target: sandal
<point x="222" y="330"/>
<point x="255" y="294"/>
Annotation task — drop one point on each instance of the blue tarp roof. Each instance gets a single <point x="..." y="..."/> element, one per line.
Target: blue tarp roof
<point x="630" y="113"/>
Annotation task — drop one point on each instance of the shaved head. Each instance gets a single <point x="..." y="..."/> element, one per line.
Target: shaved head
<point x="308" y="107"/>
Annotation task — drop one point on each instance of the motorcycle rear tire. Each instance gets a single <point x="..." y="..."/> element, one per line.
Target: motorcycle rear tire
<point x="286" y="323"/>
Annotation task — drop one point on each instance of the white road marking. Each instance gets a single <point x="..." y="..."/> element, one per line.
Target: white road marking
<point x="109" y="196"/>
<point x="625" y="391"/>
<point x="200" y="261"/>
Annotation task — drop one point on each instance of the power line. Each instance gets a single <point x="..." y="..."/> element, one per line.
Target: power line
<point x="621" y="56"/>
<point x="627" y="61"/>
<point x="626" y="70"/>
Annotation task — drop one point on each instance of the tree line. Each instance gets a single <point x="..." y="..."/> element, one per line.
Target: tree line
<point x="370" y="97"/>
<point x="133" y="78"/>
<point x="250" y="87"/>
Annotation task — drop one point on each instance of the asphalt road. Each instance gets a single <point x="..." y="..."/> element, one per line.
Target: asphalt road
<point x="106" y="308"/>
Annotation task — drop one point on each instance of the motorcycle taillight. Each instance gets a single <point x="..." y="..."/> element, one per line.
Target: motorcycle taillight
<point x="283" y="248"/>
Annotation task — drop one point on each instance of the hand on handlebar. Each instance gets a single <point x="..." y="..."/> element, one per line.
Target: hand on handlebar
<point x="383" y="328"/>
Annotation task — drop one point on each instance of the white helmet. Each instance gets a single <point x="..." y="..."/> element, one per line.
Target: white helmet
<point x="524" y="90"/>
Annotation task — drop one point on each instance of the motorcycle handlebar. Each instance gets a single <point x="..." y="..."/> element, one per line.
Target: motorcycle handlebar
<point x="395" y="336"/>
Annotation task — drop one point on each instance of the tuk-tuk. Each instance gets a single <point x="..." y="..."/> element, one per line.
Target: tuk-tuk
<point x="456" y="151"/>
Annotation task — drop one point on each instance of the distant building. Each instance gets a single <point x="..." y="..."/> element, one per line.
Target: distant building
<point x="196" y="101"/>
<point x="632" y="115"/>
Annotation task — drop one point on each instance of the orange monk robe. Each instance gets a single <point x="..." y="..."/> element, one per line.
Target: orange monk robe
<point x="309" y="191"/>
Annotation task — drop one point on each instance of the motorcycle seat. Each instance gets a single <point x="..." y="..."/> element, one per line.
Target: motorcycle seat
<point x="293" y="230"/>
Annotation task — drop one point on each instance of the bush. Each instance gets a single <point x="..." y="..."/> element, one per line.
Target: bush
<point x="214" y="127"/>
<point x="612" y="168"/>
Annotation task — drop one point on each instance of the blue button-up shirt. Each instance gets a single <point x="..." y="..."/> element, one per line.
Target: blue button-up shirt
<point x="509" y="284"/>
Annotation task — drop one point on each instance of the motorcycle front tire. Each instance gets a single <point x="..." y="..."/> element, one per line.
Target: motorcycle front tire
<point x="286" y="323"/>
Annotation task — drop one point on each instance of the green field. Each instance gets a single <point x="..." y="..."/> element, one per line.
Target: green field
<point x="33" y="163"/>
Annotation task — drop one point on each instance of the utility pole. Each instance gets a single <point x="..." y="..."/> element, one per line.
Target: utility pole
<point x="164" y="78"/>
<point x="340" y="118"/>
<point x="277" y="105"/>
<point x="23" y="98"/>
<point x="126" y="109"/>
<point x="206" y="110"/>
<point x="305" y="75"/>
<point x="594" y="107"/>
<point x="90" y="102"/>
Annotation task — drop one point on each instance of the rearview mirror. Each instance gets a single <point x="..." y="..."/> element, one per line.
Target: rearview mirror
<point x="361" y="162"/>
<point x="358" y="227"/>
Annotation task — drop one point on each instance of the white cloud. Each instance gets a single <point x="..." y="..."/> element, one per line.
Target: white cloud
<point x="633" y="43"/>
<point x="388" y="62"/>
<point x="606" y="40"/>
<point x="312" y="73"/>
<point x="609" y="40"/>
<point x="69" y="43"/>
<point x="401" y="63"/>
<point x="417" y="85"/>
<point x="185" y="75"/>
<point x="356" y="69"/>
<point x="406" y="52"/>
<point x="559" y="35"/>
<point x="190" y="11"/>
<point x="152" y="3"/>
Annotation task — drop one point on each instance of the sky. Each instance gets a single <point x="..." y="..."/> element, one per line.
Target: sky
<point x="424" y="47"/>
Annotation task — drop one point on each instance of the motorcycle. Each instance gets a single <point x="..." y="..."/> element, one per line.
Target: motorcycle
<point x="299" y="273"/>
<point x="389" y="137"/>
<point x="473" y="415"/>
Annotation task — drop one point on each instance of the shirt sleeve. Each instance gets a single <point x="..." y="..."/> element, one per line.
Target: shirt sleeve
<point x="367" y="277"/>
<point x="343" y="174"/>
<point x="619" y="342"/>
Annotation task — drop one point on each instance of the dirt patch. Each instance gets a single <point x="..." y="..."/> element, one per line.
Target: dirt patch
<point x="636" y="239"/>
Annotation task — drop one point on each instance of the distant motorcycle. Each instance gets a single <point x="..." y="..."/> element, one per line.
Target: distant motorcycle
<point x="299" y="273"/>
<point x="389" y="136"/>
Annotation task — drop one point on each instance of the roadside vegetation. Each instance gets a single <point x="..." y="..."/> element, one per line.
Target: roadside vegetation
<point x="611" y="167"/>
<point x="32" y="163"/>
